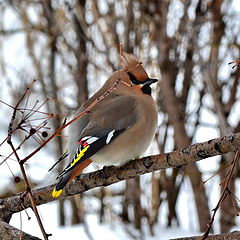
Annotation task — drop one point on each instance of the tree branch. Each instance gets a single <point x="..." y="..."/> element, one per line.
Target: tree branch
<point x="9" y="232"/>
<point x="110" y="175"/>
<point x="223" y="236"/>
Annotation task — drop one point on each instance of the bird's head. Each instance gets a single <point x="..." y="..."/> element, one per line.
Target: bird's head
<point x="136" y="74"/>
<point x="135" y="71"/>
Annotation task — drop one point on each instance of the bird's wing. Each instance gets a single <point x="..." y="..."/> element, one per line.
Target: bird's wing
<point x="115" y="113"/>
<point x="106" y="122"/>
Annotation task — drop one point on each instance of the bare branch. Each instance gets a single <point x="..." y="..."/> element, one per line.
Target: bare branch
<point x="9" y="232"/>
<point x="224" y="194"/>
<point x="21" y="165"/>
<point x="224" y="236"/>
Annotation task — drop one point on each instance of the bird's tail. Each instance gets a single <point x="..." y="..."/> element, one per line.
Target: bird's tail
<point x="68" y="177"/>
<point x="60" y="185"/>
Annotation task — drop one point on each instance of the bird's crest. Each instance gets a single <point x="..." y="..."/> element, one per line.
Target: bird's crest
<point x="129" y="61"/>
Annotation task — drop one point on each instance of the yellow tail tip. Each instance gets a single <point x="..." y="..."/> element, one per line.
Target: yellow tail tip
<point x="56" y="193"/>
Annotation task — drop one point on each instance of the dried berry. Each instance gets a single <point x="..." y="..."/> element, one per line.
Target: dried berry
<point x="44" y="134"/>
<point x="17" y="179"/>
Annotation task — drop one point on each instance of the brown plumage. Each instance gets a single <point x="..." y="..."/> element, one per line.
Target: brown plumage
<point x="118" y="128"/>
<point x="130" y="63"/>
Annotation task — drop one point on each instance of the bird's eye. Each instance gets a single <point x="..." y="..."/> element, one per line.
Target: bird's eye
<point x="133" y="79"/>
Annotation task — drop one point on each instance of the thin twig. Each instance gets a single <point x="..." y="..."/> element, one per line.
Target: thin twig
<point x="10" y="130"/>
<point x="217" y="173"/>
<point x="29" y="192"/>
<point x="223" y="196"/>
<point x="28" y="188"/>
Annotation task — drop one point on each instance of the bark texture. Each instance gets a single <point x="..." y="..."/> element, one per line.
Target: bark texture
<point x="224" y="236"/>
<point x="8" y="232"/>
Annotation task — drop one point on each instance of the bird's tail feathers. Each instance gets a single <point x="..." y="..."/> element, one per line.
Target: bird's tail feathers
<point x="69" y="176"/>
<point x="62" y="157"/>
<point x="60" y="185"/>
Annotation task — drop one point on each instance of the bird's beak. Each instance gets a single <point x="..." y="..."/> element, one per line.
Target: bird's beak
<point x="149" y="81"/>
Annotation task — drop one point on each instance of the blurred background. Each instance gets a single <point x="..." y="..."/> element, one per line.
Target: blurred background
<point x="71" y="48"/>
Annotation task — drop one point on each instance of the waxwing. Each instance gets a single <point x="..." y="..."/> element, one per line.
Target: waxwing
<point x="118" y="128"/>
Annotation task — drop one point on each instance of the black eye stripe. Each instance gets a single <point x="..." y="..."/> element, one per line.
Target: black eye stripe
<point x="133" y="79"/>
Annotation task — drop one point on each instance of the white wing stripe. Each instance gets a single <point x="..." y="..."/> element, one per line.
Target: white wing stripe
<point x="85" y="138"/>
<point x="91" y="140"/>
<point x="109" y="137"/>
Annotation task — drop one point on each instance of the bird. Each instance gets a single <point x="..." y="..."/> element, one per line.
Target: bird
<point x="117" y="129"/>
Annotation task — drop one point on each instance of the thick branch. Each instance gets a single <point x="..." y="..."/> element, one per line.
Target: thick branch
<point x="224" y="236"/>
<point x="9" y="232"/>
<point x="110" y="175"/>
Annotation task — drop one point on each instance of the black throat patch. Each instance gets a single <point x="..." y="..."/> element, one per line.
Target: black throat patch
<point x="146" y="89"/>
